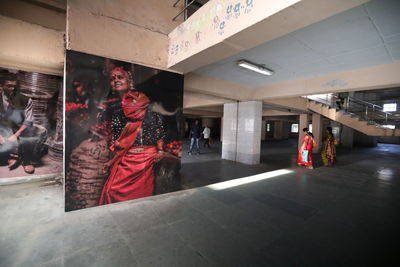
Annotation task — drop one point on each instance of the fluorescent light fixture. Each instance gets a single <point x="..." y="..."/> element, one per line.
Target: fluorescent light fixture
<point x="254" y="67"/>
<point x="249" y="179"/>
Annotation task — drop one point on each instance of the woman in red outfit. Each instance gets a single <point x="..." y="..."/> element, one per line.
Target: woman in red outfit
<point x="304" y="157"/>
<point x="138" y="134"/>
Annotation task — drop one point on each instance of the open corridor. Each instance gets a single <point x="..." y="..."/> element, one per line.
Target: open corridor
<point x="346" y="215"/>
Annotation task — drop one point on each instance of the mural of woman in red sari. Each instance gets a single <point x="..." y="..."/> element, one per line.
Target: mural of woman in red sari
<point x="138" y="135"/>
<point x="328" y="152"/>
<point x="126" y="141"/>
<point x="304" y="157"/>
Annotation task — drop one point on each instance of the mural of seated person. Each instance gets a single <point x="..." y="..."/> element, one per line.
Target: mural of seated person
<point x="21" y="141"/>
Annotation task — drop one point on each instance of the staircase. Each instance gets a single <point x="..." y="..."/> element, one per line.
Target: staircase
<point x="351" y="120"/>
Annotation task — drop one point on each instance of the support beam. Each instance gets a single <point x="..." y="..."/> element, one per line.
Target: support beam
<point x="223" y="28"/>
<point x="30" y="47"/>
<point x="376" y="77"/>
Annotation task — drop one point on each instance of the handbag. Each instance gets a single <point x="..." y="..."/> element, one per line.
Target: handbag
<point x="304" y="155"/>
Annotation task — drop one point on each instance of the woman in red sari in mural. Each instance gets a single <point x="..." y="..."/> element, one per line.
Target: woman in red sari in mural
<point x="304" y="157"/>
<point x="328" y="152"/>
<point x="137" y="141"/>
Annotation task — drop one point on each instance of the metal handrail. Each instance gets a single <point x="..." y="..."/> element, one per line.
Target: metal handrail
<point x="365" y="102"/>
<point x="371" y="104"/>
<point x="183" y="10"/>
<point x="361" y="112"/>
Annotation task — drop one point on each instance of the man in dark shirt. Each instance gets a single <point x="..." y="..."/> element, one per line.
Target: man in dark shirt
<point x="195" y="132"/>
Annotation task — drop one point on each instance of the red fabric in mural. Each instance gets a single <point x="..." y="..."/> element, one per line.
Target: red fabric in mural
<point x="132" y="177"/>
<point x="131" y="174"/>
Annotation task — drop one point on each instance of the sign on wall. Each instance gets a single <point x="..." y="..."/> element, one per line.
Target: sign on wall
<point x="30" y="124"/>
<point x="123" y="125"/>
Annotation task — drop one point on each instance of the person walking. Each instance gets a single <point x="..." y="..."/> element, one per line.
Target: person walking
<point x="206" y="136"/>
<point x="328" y="152"/>
<point x="195" y="132"/>
<point x="304" y="157"/>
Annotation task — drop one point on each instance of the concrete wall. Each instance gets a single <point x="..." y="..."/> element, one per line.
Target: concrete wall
<point x="30" y="47"/>
<point x="133" y="31"/>
<point x="361" y="139"/>
<point x="52" y="18"/>
<point x="389" y="139"/>
<point x="281" y="130"/>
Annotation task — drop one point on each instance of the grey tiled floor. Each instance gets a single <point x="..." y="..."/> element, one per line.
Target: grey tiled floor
<point x="346" y="215"/>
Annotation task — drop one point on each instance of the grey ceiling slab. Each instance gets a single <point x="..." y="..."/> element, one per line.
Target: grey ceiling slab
<point x="394" y="49"/>
<point x="285" y="51"/>
<point x="342" y="33"/>
<point x="349" y="40"/>
<point x="369" y="56"/>
<point x="386" y="16"/>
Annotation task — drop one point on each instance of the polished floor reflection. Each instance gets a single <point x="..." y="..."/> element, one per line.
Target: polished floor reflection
<point x="346" y="215"/>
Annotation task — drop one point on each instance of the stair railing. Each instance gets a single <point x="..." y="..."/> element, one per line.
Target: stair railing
<point x="370" y="112"/>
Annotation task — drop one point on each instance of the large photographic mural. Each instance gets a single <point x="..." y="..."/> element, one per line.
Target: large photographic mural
<point x="123" y="125"/>
<point x="31" y="121"/>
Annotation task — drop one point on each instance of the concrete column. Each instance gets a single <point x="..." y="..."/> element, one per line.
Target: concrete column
<point x="317" y="131"/>
<point x="263" y="130"/>
<point x="229" y="131"/>
<point x="303" y="123"/>
<point x="222" y="129"/>
<point x="249" y="132"/>
<point x="347" y="137"/>
<point x="242" y="124"/>
<point x="278" y="127"/>
<point x="281" y="130"/>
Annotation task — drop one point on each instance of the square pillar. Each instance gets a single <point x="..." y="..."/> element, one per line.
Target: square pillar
<point x="303" y="123"/>
<point x="242" y="125"/>
<point x="347" y="137"/>
<point x="249" y="132"/>
<point x="317" y="131"/>
<point x="229" y="131"/>
<point x="278" y="127"/>
<point x="263" y="130"/>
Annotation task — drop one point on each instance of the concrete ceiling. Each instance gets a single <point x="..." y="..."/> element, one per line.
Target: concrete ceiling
<point x="364" y="36"/>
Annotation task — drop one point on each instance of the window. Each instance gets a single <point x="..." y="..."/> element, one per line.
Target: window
<point x="268" y="127"/>
<point x="310" y="128"/>
<point x="389" y="107"/>
<point x="389" y="126"/>
<point x="295" y="128"/>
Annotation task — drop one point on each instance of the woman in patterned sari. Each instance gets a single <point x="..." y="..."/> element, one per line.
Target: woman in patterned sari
<point x="304" y="157"/>
<point x="328" y="152"/>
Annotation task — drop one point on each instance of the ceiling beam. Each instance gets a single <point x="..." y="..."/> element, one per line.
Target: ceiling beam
<point x="268" y="20"/>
